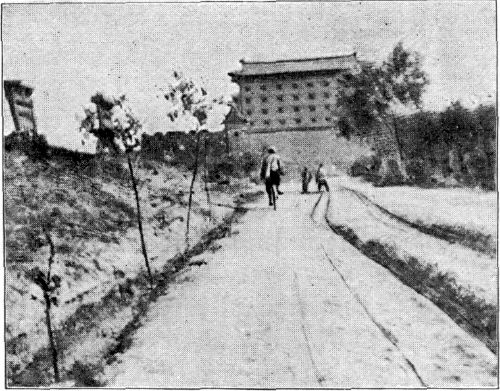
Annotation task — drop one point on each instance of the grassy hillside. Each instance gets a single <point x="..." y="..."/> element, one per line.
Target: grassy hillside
<point x="87" y="207"/>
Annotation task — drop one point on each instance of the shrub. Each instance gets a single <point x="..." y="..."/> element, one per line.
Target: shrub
<point x="416" y="171"/>
<point x="390" y="174"/>
<point x="35" y="146"/>
<point x="366" y="167"/>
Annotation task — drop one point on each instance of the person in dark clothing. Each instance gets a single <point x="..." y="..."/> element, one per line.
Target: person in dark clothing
<point x="271" y="171"/>
<point x="306" y="179"/>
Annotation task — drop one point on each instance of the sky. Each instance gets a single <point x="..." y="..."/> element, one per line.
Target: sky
<point x="67" y="52"/>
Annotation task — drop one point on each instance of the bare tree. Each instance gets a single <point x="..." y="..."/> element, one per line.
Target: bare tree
<point x="38" y="235"/>
<point x="189" y="101"/>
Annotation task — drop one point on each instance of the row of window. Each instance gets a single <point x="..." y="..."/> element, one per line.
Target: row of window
<point x="280" y="98"/>
<point x="296" y="121"/>
<point x="279" y="87"/>
<point x="281" y="109"/>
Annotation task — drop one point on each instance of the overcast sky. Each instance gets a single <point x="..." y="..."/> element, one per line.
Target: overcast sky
<point x="67" y="52"/>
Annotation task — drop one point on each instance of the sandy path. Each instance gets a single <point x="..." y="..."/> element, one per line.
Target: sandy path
<point x="270" y="310"/>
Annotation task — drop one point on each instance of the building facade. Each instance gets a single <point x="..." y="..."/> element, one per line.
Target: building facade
<point x="288" y="95"/>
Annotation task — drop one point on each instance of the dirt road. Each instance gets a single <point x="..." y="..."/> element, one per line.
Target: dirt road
<point x="286" y="303"/>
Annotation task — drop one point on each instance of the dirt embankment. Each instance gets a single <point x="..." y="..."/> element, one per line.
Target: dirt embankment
<point x="103" y="288"/>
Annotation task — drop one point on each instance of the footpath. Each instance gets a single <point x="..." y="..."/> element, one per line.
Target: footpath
<point x="286" y="303"/>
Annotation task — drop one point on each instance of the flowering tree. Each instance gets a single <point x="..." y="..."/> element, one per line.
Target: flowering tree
<point x="189" y="101"/>
<point x="112" y="121"/>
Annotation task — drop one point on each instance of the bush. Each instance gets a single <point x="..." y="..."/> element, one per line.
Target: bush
<point x="416" y="171"/>
<point x="35" y="146"/>
<point x="366" y="167"/>
<point x="239" y="165"/>
<point x="391" y="174"/>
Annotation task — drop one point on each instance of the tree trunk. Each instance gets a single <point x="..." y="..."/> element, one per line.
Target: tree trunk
<point x="455" y="162"/>
<point x="228" y="150"/>
<point x="399" y="146"/>
<point x="228" y="147"/>
<point x="207" y="191"/>
<point x="392" y="169"/>
<point x="52" y="343"/>
<point x="139" y="219"/>
<point x="195" y="171"/>
<point x="48" y="304"/>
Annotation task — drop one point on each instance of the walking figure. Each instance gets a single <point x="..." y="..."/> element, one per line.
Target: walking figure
<point x="270" y="173"/>
<point x="306" y="179"/>
<point x="321" y="178"/>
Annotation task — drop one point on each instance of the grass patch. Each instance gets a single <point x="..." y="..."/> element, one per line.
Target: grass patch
<point x="471" y="313"/>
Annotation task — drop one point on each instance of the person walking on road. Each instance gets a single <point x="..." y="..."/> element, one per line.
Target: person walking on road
<point x="321" y="178"/>
<point x="270" y="172"/>
<point x="306" y="179"/>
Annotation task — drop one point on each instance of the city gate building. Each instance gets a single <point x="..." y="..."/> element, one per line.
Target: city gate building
<point x="287" y="95"/>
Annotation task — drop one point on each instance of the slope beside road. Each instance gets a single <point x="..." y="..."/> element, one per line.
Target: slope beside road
<point x="286" y="303"/>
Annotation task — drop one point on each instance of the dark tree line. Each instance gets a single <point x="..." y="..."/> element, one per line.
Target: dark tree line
<point x="457" y="142"/>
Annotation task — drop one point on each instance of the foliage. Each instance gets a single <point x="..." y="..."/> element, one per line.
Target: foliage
<point x="35" y="146"/>
<point x="369" y="94"/>
<point x="428" y="137"/>
<point x="459" y="126"/>
<point x="188" y="100"/>
<point x="113" y="122"/>
<point x="366" y="167"/>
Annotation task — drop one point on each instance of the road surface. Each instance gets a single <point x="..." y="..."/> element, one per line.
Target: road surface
<point x="286" y="303"/>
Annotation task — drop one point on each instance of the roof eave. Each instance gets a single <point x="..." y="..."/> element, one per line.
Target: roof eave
<point x="238" y="75"/>
<point x="353" y="54"/>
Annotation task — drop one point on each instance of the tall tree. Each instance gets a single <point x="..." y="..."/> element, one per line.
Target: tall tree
<point x="369" y="97"/>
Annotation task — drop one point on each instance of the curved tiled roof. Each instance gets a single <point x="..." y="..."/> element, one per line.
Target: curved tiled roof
<point x="254" y="68"/>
